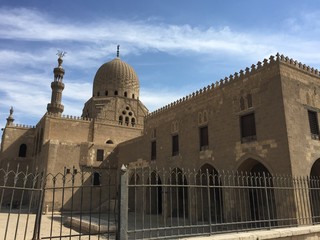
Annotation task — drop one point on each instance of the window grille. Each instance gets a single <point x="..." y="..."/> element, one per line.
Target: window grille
<point x="313" y="123"/>
<point x="248" y="128"/>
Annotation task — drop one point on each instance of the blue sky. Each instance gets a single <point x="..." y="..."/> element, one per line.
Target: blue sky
<point x="176" y="47"/>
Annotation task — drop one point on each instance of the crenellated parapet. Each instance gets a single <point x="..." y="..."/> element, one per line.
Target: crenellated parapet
<point x="97" y="120"/>
<point x="242" y="74"/>
<point x="23" y="126"/>
<point x="299" y="65"/>
<point x="70" y="117"/>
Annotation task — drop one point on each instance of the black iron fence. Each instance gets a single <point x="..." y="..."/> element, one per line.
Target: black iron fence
<point x="176" y="203"/>
<point x="69" y="205"/>
<point x="150" y="203"/>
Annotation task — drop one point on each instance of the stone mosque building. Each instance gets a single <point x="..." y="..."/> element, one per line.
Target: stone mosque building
<point x="264" y="118"/>
<point x="112" y="115"/>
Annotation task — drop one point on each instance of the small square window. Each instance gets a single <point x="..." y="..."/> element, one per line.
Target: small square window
<point x="100" y="155"/>
<point x="153" y="150"/>
<point x="248" y="128"/>
<point x="204" y="138"/>
<point x="175" y="145"/>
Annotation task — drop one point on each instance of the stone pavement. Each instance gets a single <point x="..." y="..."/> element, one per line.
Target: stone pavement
<point x="54" y="228"/>
<point x="48" y="227"/>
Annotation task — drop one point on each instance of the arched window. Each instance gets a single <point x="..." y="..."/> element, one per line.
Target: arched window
<point x="23" y="150"/>
<point x="205" y="117"/>
<point x="133" y="96"/>
<point x="125" y="94"/>
<point x="133" y="122"/>
<point x="106" y="93"/>
<point x="109" y="141"/>
<point x="242" y="103"/>
<point x="249" y="99"/>
<point x="120" y="120"/>
<point x="41" y="139"/>
<point x="200" y="118"/>
<point x="127" y="121"/>
<point x="96" y="179"/>
<point x="115" y="93"/>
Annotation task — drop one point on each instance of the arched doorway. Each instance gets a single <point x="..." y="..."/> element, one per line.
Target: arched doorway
<point x="177" y="194"/>
<point x="260" y="193"/>
<point x="314" y="192"/>
<point x="209" y="195"/>
<point x="154" y="194"/>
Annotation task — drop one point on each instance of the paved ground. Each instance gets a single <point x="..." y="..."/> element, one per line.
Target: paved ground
<point x="9" y="230"/>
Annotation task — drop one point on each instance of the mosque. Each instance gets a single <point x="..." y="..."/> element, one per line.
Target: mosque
<point x="261" y="119"/>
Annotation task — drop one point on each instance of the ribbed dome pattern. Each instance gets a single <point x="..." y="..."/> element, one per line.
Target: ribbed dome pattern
<point x="116" y="76"/>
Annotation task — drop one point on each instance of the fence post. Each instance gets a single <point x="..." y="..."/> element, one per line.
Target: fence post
<point x="123" y="205"/>
<point x="267" y="198"/>
<point x="37" y="227"/>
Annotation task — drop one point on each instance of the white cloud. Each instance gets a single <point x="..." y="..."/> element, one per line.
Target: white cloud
<point x="24" y="24"/>
<point x="89" y="45"/>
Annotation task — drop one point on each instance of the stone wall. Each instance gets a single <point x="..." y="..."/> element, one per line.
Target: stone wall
<point x="301" y="92"/>
<point x="219" y="108"/>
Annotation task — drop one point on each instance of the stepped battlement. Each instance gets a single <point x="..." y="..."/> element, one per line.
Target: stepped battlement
<point x="247" y="72"/>
<point x="70" y="117"/>
<point x="22" y="126"/>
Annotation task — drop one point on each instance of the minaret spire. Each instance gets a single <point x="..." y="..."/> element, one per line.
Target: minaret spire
<point x="57" y="86"/>
<point x="10" y="119"/>
<point x="118" y="51"/>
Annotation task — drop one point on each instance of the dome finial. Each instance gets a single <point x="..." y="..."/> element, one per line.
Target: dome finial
<point x="10" y="119"/>
<point x="118" y="51"/>
<point x="60" y="54"/>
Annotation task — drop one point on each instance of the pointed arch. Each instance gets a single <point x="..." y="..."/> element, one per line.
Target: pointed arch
<point x="154" y="194"/>
<point x="249" y="100"/>
<point x="120" y="120"/>
<point x="210" y="202"/>
<point x="23" y="150"/>
<point x="134" y="193"/>
<point x="177" y="194"/>
<point x="242" y="105"/>
<point x="260" y="196"/>
<point x="314" y="192"/>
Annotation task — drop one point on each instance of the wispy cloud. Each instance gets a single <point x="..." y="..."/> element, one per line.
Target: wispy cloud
<point x="162" y="37"/>
<point x="90" y="44"/>
<point x="91" y="41"/>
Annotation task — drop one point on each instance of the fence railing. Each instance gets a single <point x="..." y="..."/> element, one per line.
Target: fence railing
<point x="73" y="204"/>
<point x="174" y="203"/>
<point x="151" y="203"/>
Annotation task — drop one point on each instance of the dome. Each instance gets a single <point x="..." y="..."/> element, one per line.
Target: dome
<point x="116" y="78"/>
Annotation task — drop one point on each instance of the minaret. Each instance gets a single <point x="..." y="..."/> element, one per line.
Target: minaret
<point x="57" y="86"/>
<point x="10" y="119"/>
